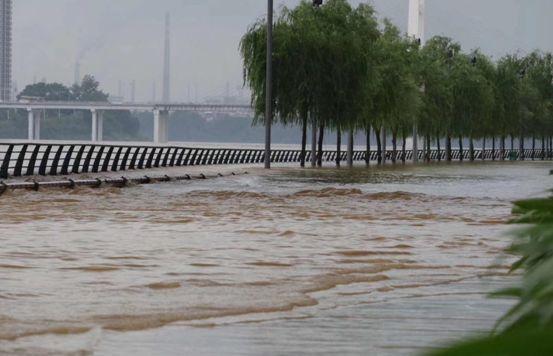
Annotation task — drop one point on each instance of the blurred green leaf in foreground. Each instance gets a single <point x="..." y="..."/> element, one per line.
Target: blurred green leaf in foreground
<point x="527" y="328"/>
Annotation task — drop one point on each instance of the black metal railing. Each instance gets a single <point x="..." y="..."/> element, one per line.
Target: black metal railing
<point x="29" y="159"/>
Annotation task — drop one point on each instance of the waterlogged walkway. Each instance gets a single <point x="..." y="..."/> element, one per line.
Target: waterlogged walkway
<point x="382" y="261"/>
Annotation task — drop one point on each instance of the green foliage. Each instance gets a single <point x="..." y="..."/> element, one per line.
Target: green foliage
<point x="47" y="92"/>
<point x="527" y="328"/>
<point x="320" y="62"/>
<point x="517" y="343"/>
<point x="87" y="90"/>
<point x="395" y="97"/>
<point x="335" y="63"/>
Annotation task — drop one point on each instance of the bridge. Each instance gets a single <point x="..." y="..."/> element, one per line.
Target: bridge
<point x="160" y="110"/>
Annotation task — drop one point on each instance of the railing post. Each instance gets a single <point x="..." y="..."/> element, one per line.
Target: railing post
<point x="384" y="148"/>
<point x="77" y="161"/>
<point x="32" y="161"/>
<point x="4" y="169"/>
<point x="115" y="163"/>
<point x="19" y="163"/>
<point x="313" y="144"/>
<point x="67" y="160"/>
<point x="415" y="144"/>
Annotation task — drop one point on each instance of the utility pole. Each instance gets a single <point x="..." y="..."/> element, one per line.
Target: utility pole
<point x="269" y="85"/>
<point x="415" y="29"/>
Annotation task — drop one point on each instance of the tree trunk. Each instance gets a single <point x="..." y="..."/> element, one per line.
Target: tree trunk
<point x="439" y="146"/>
<point x="550" y="147"/>
<point x="338" y="147"/>
<point x="461" y="153"/>
<point x="404" y="149"/>
<point x="471" y="148"/>
<point x="303" y="141"/>
<point x="384" y="145"/>
<point x="378" y="146"/>
<point x="314" y="144"/>
<point x="350" y="149"/>
<point x="493" y="148"/>
<point x="502" y="144"/>
<point x="448" y="156"/>
<point x="521" y="148"/>
<point x="428" y="148"/>
<point x="368" y="153"/>
<point x="533" y="147"/>
<point x="543" y="148"/>
<point x="394" y="147"/>
<point x="483" y="148"/>
<point x="321" y="139"/>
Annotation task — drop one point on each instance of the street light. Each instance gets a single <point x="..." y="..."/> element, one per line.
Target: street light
<point x="269" y="85"/>
<point x="317" y="3"/>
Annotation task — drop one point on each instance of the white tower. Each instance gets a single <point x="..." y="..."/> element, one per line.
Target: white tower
<point x="415" y="27"/>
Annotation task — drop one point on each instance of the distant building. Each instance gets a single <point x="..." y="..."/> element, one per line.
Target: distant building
<point x="5" y="50"/>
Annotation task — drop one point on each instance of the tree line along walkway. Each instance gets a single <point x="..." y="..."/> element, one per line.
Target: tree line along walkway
<point x="49" y="159"/>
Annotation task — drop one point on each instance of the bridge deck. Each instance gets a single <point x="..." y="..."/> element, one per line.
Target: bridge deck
<point x="53" y="105"/>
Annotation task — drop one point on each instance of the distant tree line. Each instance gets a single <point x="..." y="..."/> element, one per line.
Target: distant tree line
<point x="337" y="68"/>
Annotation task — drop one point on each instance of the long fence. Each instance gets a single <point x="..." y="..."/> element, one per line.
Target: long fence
<point x="30" y="159"/>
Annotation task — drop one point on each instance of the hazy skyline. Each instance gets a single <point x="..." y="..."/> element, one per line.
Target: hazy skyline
<point x="123" y="40"/>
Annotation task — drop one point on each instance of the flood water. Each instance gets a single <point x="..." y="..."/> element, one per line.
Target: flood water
<point x="388" y="261"/>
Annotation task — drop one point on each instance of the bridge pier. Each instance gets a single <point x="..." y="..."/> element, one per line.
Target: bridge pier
<point x="97" y="125"/>
<point x="33" y="125"/>
<point x="161" y="126"/>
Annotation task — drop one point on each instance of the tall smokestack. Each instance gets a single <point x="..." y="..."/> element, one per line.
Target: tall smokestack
<point x="77" y="79"/>
<point x="416" y="24"/>
<point x="120" y="89"/>
<point x="133" y="91"/>
<point x="166" y="96"/>
<point x="5" y="50"/>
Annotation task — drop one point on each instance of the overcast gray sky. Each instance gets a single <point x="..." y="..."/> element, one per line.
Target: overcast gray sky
<point x="123" y="39"/>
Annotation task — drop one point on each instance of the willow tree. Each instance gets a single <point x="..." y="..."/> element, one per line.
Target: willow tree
<point x="473" y="100"/>
<point x="296" y="51"/>
<point x="350" y="35"/>
<point x="437" y="60"/>
<point x="539" y="73"/>
<point x="508" y="88"/>
<point x="397" y="97"/>
<point x="319" y="62"/>
<point x="484" y="125"/>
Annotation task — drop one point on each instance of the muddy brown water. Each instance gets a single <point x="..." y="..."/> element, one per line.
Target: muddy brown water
<point x="380" y="261"/>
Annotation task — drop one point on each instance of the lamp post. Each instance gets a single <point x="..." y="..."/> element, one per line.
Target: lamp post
<point x="269" y="85"/>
